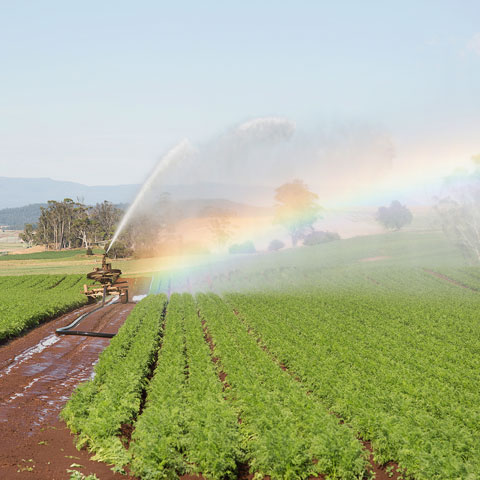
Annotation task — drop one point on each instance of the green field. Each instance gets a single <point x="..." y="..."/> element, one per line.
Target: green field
<point x="305" y="354"/>
<point x="282" y="364"/>
<point x="10" y="241"/>
<point x="297" y="268"/>
<point x="50" y="255"/>
<point x="28" y="300"/>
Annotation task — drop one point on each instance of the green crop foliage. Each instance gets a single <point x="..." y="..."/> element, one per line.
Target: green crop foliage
<point x="50" y="255"/>
<point x="397" y="360"/>
<point x="187" y="425"/>
<point x="316" y="360"/>
<point x="98" y="408"/>
<point x="31" y="299"/>
<point x="286" y="434"/>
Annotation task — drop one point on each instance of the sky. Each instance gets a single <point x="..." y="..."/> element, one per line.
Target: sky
<point x="95" y="92"/>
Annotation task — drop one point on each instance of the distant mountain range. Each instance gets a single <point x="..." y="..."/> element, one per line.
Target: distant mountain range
<point x="22" y="198"/>
<point x="16" y="218"/>
<point x="18" y="192"/>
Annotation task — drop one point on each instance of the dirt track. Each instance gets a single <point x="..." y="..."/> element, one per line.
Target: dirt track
<point x="38" y="372"/>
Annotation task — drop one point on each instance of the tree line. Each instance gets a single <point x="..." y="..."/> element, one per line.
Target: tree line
<point x="72" y="224"/>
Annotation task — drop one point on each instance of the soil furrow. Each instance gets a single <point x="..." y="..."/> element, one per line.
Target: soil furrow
<point x="441" y="276"/>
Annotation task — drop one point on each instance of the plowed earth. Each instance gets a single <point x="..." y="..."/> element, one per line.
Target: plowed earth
<point x="38" y="373"/>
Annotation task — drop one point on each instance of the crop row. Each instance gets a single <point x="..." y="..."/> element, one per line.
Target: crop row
<point x="190" y="422"/>
<point x="402" y="370"/>
<point x="287" y="434"/>
<point x="27" y="300"/>
<point x="467" y="276"/>
<point x="186" y="426"/>
<point x="99" y="408"/>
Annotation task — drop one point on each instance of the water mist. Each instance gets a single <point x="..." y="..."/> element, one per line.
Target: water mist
<point x="177" y="153"/>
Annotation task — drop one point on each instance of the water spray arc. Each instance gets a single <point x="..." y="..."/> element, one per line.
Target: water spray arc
<point x="177" y="153"/>
<point x="266" y="129"/>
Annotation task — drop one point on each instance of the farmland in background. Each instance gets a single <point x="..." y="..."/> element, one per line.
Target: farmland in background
<point x="50" y="255"/>
<point x="300" y="268"/>
<point x="10" y="241"/>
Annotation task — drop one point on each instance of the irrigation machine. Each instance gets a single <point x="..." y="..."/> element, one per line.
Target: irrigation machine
<point x="107" y="283"/>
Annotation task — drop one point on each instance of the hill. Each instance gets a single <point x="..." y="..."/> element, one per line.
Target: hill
<point x="17" y="192"/>
<point x="16" y="218"/>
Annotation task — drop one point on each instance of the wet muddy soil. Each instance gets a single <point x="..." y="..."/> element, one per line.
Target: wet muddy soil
<point x="38" y="373"/>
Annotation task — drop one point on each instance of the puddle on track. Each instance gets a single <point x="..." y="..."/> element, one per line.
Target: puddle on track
<point x="37" y="382"/>
<point x="29" y="353"/>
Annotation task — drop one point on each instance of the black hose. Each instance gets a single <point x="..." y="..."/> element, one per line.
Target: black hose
<point x="87" y="334"/>
<point x="67" y="330"/>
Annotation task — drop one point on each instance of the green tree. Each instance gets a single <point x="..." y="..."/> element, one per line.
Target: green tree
<point x="395" y="216"/>
<point x="219" y="224"/>
<point x="55" y="225"/>
<point x="28" y="234"/>
<point x="148" y="234"/>
<point x="70" y="224"/>
<point x="104" y="217"/>
<point x="296" y="209"/>
<point x="275" y="245"/>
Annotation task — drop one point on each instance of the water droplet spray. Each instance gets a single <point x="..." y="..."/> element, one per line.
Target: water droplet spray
<point x="177" y="153"/>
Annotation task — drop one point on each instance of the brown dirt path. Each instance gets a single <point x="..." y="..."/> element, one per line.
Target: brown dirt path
<point x="38" y="373"/>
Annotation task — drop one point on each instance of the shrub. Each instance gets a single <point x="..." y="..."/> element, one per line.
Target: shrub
<point x="246" y="247"/>
<point x="89" y="251"/>
<point x="315" y="238"/>
<point x="275" y="245"/>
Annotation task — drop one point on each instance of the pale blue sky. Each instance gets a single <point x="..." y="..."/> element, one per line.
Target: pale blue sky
<point x="87" y="86"/>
